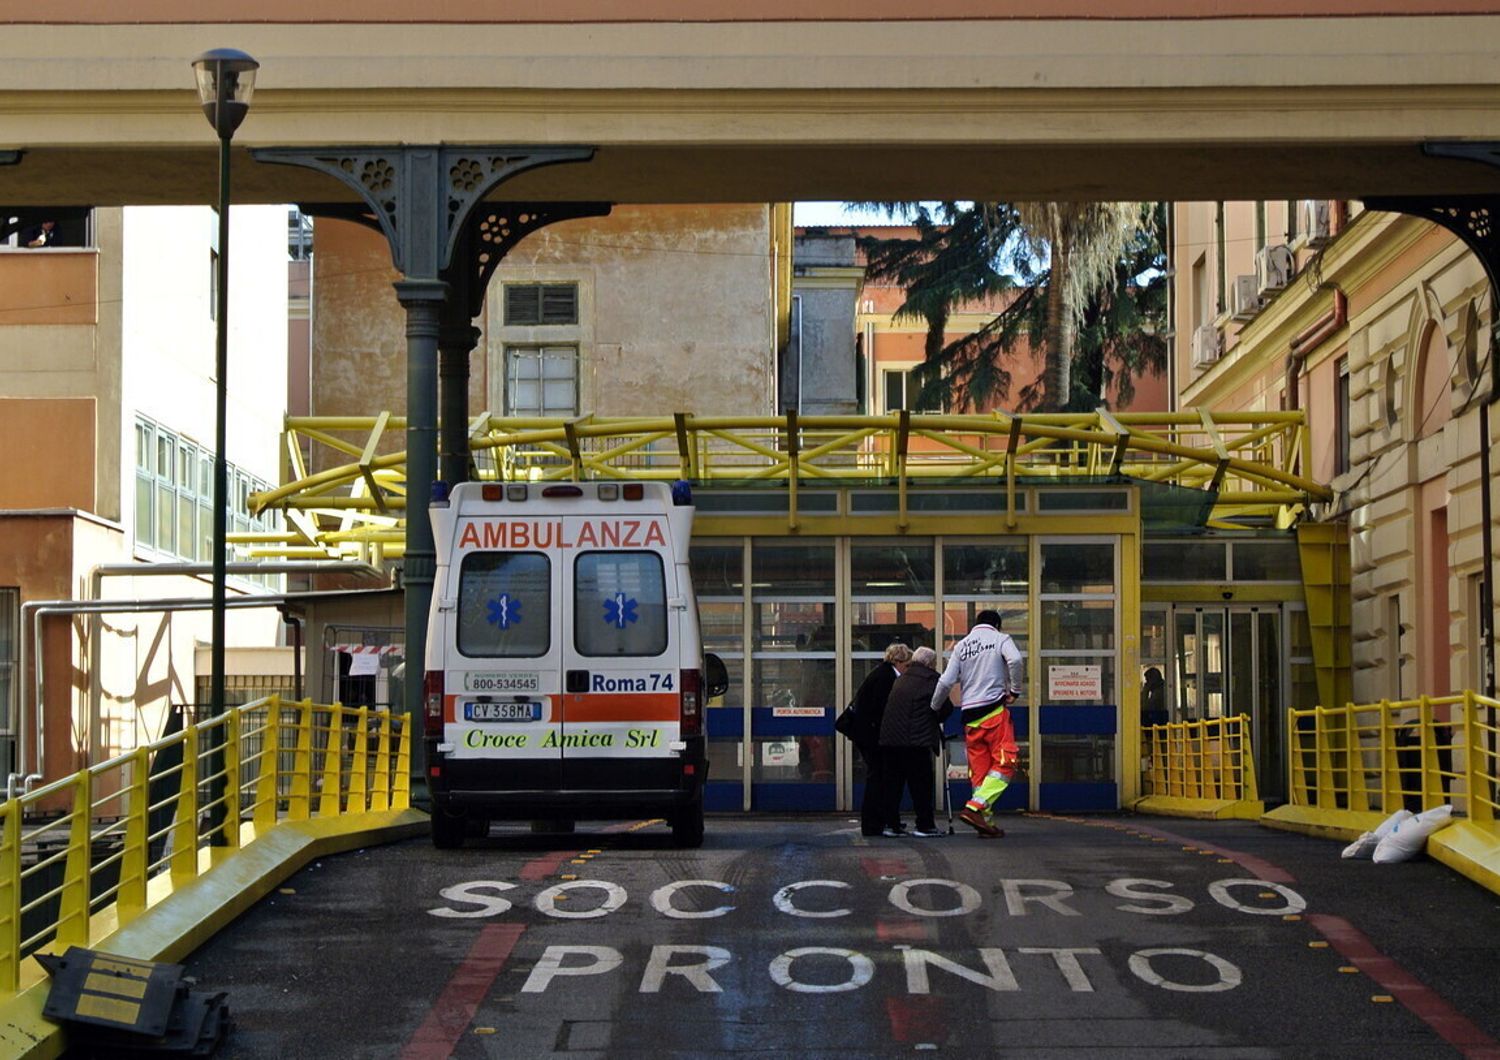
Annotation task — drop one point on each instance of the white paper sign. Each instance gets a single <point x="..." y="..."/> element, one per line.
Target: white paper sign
<point x="779" y="753"/>
<point x="1075" y="683"/>
<point x="364" y="664"/>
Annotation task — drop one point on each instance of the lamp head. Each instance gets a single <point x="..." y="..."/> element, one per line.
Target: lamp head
<point x="226" y="80"/>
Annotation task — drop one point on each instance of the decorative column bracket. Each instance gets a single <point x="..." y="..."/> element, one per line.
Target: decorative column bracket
<point x="422" y="195"/>
<point x="489" y="234"/>
<point x="493" y="231"/>
<point x="1472" y="218"/>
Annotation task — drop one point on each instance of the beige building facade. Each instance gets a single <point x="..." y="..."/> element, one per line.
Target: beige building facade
<point x="1378" y="325"/>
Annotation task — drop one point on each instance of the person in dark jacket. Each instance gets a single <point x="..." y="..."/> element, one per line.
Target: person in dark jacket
<point x="869" y="708"/>
<point x="909" y="739"/>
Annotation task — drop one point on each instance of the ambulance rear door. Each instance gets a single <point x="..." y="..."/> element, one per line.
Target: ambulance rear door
<point x="622" y="668"/>
<point x="505" y="679"/>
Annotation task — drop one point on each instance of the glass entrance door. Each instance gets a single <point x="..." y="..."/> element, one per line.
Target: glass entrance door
<point x="1078" y="719"/>
<point x="1228" y="661"/>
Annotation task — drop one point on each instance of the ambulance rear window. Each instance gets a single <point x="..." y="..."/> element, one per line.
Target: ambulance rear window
<point x="505" y="605"/>
<point x="620" y="604"/>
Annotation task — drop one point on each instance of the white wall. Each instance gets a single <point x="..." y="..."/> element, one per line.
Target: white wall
<point x="168" y="334"/>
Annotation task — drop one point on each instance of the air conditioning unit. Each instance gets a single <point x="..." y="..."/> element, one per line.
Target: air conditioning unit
<point x="1273" y="268"/>
<point x="1205" y="346"/>
<point x="1313" y="221"/>
<point x="1244" y="299"/>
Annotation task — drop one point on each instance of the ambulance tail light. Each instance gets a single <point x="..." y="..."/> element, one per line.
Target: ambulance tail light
<point x="634" y="491"/>
<point x="692" y="702"/>
<point x="432" y="703"/>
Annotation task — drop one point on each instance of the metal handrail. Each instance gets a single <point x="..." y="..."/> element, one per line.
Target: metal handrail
<point x="127" y="847"/>
<point x="1378" y="757"/>
<point x="1208" y="760"/>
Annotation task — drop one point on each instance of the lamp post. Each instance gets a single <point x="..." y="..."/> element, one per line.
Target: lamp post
<point x="226" y="79"/>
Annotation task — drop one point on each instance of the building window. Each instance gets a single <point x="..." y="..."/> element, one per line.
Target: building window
<point x="299" y="235"/>
<point x="174" y="498"/>
<point x="537" y="304"/>
<point x="1342" y="409"/>
<point x="900" y="391"/>
<point x="541" y="380"/>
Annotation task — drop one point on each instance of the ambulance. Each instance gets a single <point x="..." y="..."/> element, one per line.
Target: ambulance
<point x="565" y="677"/>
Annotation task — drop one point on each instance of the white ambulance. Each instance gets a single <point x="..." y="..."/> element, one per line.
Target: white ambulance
<point x="565" y="677"/>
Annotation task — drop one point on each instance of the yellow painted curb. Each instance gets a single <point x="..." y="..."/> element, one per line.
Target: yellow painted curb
<point x="192" y="914"/>
<point x="1203" y="809"/>
<point x="1330" y="824"/>
<point x="1471" y="849"/>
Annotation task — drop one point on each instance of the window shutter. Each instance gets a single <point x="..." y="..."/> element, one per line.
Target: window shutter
<point x="559" y="304"/>
<point x="523" y="304"/>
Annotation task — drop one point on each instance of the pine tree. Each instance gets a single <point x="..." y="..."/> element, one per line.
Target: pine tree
<point x="1083" y="283"/>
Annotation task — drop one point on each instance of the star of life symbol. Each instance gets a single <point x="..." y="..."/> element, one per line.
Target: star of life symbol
<point x="504" y="611"/>
<point x="618" y="610"/>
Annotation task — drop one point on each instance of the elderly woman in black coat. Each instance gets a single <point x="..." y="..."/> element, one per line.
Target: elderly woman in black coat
<point x="869" y="707"/>
<point x="909" y="740"/>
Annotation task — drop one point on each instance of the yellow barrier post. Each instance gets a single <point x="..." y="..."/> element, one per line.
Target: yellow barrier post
<point x="1432" y="781"/>
<point x="130" y="900"/>
<point x="73" y="901"/>
<point x="333" y="757"/>
<point x="1390" y="766"/>
<point x="185" y="826"/>
<point x="1326" y="779"/>
<point x="1472" y="798"/>
<point x="299" y="793"/>
<point x="359" y="792"/>
<point x="231" y="764"/>
<point x="10" y="897"/>
<point x="1296" y="766"/>
<point x="268" y="779"/>
<point x="402" y="794"/>
<point x="380" y="795"/>
<point x="1354" y="761"/>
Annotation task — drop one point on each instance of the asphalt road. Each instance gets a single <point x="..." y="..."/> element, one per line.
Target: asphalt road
<point x="1101" y="936"/>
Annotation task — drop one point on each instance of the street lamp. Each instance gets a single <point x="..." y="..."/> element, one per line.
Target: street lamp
<point x="226" y="79"/>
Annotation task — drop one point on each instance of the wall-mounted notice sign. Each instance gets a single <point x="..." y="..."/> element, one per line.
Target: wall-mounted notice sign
<point x="1075" y="683"/>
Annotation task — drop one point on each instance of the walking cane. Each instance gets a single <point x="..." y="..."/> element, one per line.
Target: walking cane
<point x="947" y="791"/>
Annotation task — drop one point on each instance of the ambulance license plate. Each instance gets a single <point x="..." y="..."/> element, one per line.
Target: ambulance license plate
<point x="502" y="712"/>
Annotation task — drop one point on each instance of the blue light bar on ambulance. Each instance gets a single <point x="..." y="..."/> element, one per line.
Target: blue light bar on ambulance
<point x="682" y="492"/>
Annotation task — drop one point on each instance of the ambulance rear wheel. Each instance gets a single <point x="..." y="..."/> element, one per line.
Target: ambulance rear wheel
<point x="447" y="830"/>
<point x="687" y="826"/>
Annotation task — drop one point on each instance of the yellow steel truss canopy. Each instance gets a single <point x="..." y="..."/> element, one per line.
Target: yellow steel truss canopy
<point x="345" y="482"/>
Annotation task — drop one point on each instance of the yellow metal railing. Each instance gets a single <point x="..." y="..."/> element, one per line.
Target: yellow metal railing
<point x="344" y="478"/>
<point x="1375" y="757"/>
<point x="90" y="853"/>
<point x="1206" y="760"/>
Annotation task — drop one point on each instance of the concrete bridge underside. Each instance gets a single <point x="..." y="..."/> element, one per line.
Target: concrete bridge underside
<point x="1118" y="105"/>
